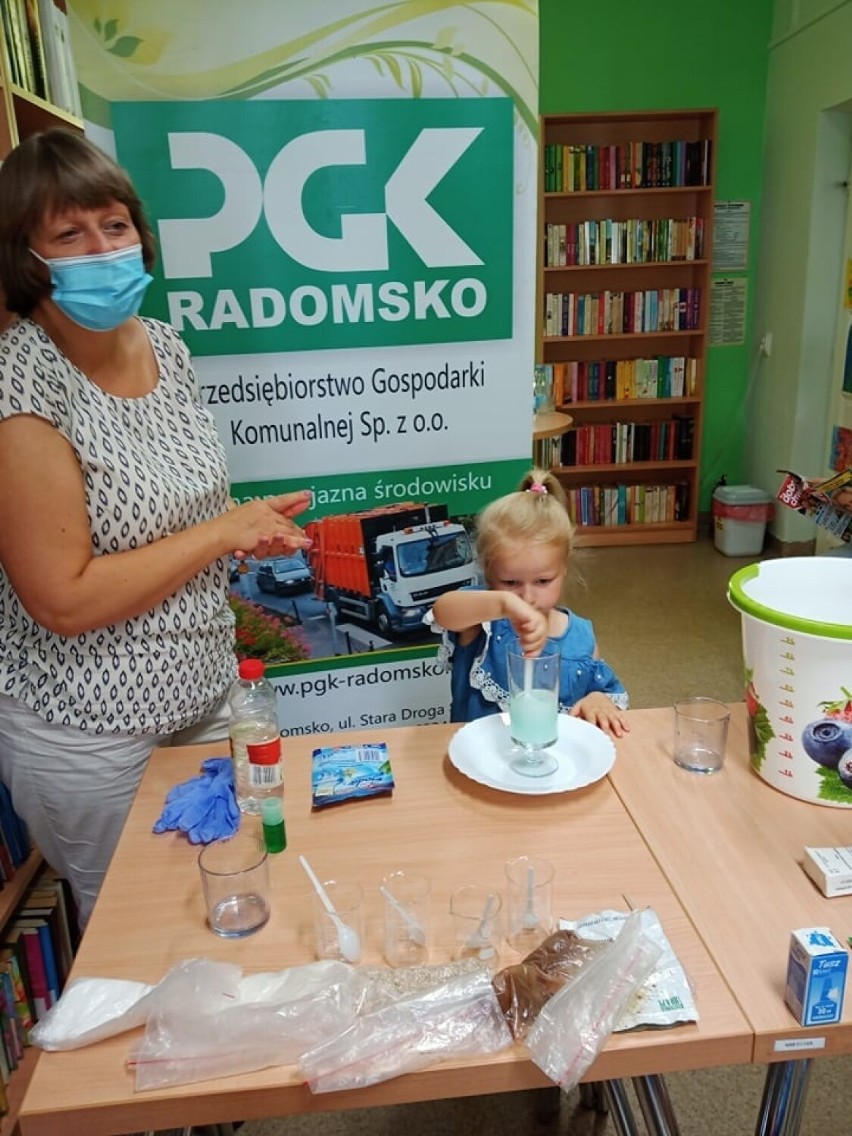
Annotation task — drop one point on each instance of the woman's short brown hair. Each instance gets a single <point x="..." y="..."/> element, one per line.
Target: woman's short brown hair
<point x="45" y="174"/>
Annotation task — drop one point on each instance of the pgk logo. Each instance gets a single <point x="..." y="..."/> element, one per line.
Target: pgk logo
<point x="300" y="225"/>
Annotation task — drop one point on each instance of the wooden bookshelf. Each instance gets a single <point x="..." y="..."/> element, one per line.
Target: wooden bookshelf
<point x="37" y="79"/>
<point x="16" y="1091"/>
<point x="22" y="112"/>
<point x="14" y="890"/>
<point x="625" y="255"/>
<point x="12" y="893"/>
<point x="25" y="109"/>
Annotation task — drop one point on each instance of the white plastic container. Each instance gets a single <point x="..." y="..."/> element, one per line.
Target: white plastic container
<point x="797" y="648"/>
<point x="740" y="513"/>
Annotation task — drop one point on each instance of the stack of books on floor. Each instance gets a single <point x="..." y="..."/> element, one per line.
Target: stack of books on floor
<point x="37" y="946"/>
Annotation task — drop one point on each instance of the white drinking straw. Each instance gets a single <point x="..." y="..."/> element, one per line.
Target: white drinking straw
<point x="530" y="919"/>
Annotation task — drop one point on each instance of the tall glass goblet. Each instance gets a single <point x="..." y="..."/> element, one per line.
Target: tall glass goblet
<point x="534" y="711"/>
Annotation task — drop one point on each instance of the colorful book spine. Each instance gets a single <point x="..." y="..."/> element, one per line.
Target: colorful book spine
<point x="14" y="832"/>
<point x="23" y="1009"/>
<point x="36" y="971"/>
<point x="13" y="1040"/>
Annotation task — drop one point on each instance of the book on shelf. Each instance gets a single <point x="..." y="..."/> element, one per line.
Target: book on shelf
<point x="17" y="44"/>
<point x="13" y="830"/>
<point x="8" y="1043"/>
<point x="634" y="241"/>
<point x="620" y="443"/>
<point x="33" y="966"/>
<point x="33" y="948"/>
<point x="15" y="946"/>
<point x="622" y="505"/>
<point x="9" y="61"/>
<point x="11" y="1029"/>
<point x="615" y="312"/>
<point x="7" y="866"/>
<point x="62" y="86"/>
<point x="46" y="901"/>
<point x="41" y="926"/>
<point x="10" y="964"/>
<point x="3" y="1094"/>
<point x="584" y="168"/>
<point x="609" y="380"/>
<point x="546" y="453"/>
<point x="36" y="49"/>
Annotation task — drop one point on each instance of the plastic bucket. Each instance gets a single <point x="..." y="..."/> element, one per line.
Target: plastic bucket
<point x="797" y="648"/>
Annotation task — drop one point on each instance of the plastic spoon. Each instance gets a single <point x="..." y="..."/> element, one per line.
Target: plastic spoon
<point x="479" y="940"/>
<point x="529" y="919"/>
<point x="415" y="931"/>
<point x="347" y="937"/>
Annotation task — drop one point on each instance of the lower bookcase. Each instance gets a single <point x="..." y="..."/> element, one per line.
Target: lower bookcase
<point x="38" y="939"/>
<point x="12" y="894"/>
<point x="629" y="467"/>
<point x="16" y="1090"/>
<point x="630" y="503"/>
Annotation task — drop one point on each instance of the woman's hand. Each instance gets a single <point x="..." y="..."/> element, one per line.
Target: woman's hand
<point x="265" y="527"/>
<point x="599" y="709"/>
<point x="58" y="579"/>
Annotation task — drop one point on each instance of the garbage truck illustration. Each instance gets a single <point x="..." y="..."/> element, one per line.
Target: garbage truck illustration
<point x="387" y="566"/>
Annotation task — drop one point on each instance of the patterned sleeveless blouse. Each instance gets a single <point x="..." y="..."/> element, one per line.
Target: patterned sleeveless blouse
<point x="151" y="466"/>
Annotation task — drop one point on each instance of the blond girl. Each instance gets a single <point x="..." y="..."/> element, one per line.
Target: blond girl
<point x="524" y="541"/>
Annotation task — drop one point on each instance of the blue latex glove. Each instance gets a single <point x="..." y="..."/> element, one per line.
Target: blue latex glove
<point x="218" y="822"/>
<point x="221" y="816"/>
<point x="177" y="799"/>
<point x="205" y="807"/>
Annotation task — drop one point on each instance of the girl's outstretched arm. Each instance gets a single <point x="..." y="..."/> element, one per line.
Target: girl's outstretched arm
<point x="465" y="611"/>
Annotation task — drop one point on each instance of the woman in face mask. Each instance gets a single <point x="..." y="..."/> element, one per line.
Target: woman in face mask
<point x="115" y="522"/>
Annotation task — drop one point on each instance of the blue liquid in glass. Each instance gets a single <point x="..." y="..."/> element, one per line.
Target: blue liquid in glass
<point x="532" y="718"/>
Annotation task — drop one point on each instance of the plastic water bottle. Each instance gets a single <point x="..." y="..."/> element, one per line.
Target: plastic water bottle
<point x="255" y="737"/>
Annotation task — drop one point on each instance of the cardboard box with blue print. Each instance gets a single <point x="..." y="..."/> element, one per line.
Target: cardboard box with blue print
<point x="816" y="976"/>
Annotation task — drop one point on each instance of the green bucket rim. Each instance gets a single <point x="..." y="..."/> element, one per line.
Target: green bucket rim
<point x="749" y="606"/>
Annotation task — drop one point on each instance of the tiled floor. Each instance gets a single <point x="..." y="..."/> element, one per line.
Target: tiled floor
<point x="664" y="624"/>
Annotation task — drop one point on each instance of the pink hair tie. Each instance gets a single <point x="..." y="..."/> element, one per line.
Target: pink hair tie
<point x="537" y="488"/>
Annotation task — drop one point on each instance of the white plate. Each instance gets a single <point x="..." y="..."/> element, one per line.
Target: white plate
<point x="482" y="750"/>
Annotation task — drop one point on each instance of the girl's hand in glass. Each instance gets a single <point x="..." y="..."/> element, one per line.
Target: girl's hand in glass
<point x="530" y="624"/>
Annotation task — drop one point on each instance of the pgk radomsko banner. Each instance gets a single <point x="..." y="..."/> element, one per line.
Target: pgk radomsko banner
<point x="344" y="199"/>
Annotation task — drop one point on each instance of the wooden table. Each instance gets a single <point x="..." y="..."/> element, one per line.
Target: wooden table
<point x="731" y="847"/>
<point x="550" y="424"/>
<point x="150" y="915"/>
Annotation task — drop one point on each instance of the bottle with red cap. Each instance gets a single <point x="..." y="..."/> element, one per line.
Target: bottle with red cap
<point x="255" y="737"/>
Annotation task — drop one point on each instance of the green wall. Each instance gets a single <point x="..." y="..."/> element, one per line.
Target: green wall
<point x="626" y="55"/>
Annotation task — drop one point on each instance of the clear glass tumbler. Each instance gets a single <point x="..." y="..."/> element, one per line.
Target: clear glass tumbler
<point x="534" y="711"/>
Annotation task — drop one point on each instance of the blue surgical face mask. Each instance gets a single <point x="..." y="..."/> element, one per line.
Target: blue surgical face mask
<point x="101" y="291"/>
